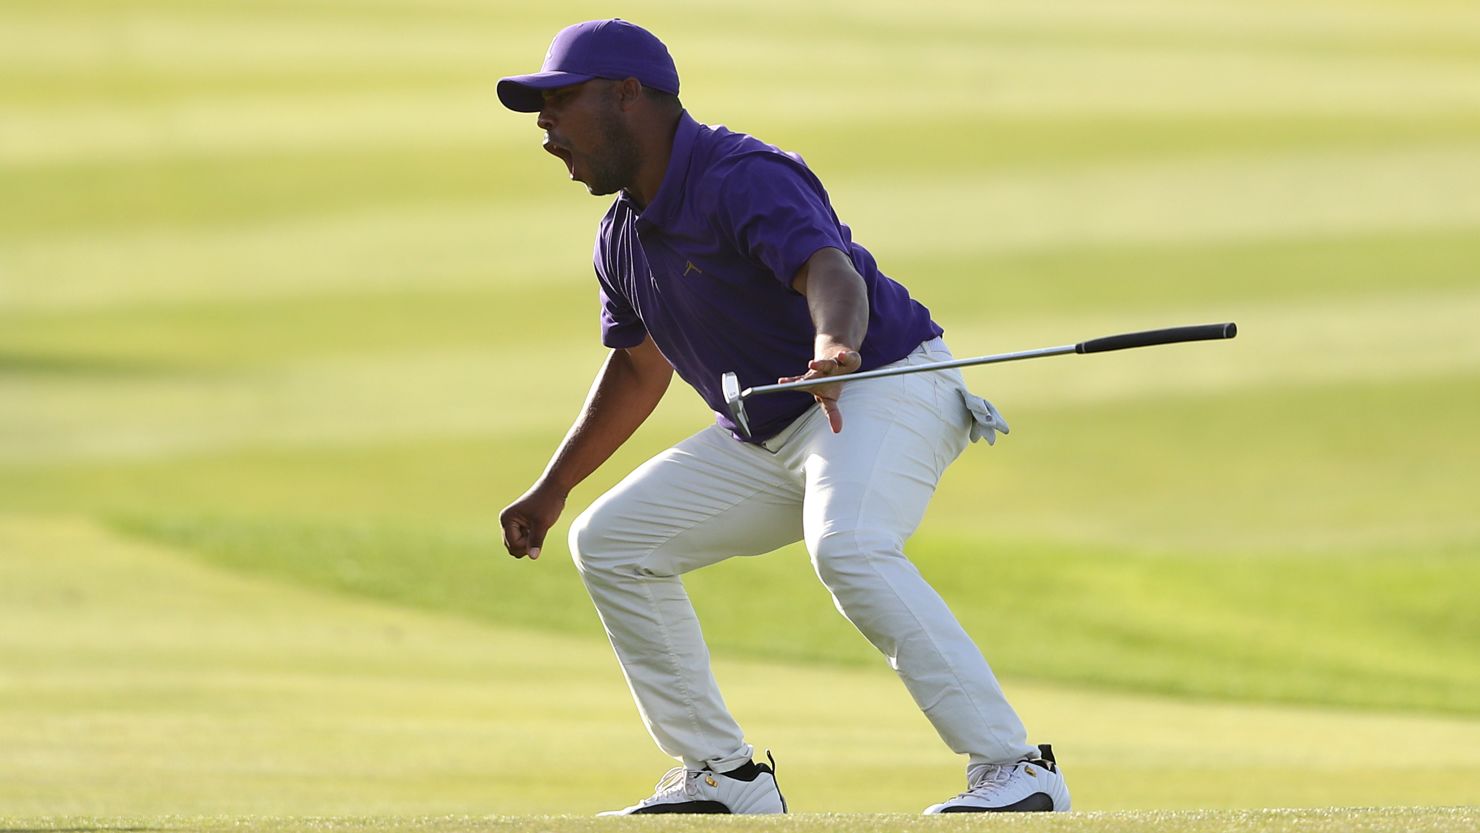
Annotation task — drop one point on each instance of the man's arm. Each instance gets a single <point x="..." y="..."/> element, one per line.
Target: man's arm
<point x="627" y="389"/>
<point x="838" y="300"/>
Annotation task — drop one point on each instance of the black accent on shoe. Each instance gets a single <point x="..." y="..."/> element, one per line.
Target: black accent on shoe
<point x="684" y="807"/>
<point x="1035" y="803"/>
<point x="1045" y="757"/>
<point x="745" y="772"/>
<point x="772" y="769"/>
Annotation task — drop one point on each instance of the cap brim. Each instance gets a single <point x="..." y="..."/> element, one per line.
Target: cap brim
<point x="525" y="93"/>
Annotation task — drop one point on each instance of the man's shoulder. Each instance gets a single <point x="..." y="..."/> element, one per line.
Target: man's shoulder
<point x="728" y="152"/>
<point x="734" y="164"/>
<point x="755" y="157"/>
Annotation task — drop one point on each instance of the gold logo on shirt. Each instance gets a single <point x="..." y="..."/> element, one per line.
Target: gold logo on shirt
<point x="688" y="266"/>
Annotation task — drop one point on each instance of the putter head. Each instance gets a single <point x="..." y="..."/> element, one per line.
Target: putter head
<point x="729" y="385"/>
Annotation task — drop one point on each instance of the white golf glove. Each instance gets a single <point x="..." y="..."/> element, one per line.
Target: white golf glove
<point x="985" y="420"/>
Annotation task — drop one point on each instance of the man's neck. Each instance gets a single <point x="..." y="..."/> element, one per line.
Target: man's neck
<point x="657" y="150"/>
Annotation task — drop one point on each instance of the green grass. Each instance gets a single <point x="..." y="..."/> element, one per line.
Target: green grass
<point x="289" y="308"/>
<point x="1388" y="630"/>
<point x="141" y="682"/>
<point x="1437" y="820"/>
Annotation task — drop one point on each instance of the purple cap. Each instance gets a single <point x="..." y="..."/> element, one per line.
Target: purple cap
<point x="612" y="49"/>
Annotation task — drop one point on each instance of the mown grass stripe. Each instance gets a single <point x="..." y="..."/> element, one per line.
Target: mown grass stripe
<point x="1288" y="196"/>
<point x="235" y="183"/>
<point x="1297" y="632"/>
<point x="436" y="392"/>
<point x="254" y="124"/>
<point x="1257" y="196"/>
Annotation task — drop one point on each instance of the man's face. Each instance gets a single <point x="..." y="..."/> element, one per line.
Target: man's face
<point x="584" y="127"/>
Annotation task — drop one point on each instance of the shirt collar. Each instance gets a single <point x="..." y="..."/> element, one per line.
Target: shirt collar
<point x="661" y="212"/>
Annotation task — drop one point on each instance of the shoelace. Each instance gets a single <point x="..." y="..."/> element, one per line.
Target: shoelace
<point x="673" y="781"/>
<point x="984" y="779"/>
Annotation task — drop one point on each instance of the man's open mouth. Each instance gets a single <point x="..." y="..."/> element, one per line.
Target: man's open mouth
<point x="564" y="155"/>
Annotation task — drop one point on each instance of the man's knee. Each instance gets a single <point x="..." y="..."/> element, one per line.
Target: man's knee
<point x="600" y="546"/>
<point x="847" y="559"/>
<point x="588" y="541"/>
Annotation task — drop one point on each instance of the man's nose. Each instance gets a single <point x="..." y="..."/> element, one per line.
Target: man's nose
<point x="546" y="119"/>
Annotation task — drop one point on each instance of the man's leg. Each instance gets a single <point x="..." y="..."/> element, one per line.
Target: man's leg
<point x="704" y="500"/>
<point x="866" y="491"/>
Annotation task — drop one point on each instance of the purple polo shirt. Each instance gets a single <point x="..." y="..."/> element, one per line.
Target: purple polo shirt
<point x="706" y="270"/>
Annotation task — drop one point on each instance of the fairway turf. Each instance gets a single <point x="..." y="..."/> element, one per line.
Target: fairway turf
<point x="1406" y="820"/>
<point x="140" y="682"/>
<point x="289" y="307"/>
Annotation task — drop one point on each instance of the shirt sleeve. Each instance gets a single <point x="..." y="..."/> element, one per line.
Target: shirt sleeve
<point x="620" y="325"/>
<point x="777" y="213"/>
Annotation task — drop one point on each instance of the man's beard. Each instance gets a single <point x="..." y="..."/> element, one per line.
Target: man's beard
<point x="616" y="166"/>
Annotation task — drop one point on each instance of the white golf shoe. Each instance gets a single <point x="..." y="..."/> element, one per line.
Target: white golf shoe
<point x="749" y="789"/>
<point x="1032" y="785"/>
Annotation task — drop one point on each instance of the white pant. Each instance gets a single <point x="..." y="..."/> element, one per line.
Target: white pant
<point x="854" y="497"/>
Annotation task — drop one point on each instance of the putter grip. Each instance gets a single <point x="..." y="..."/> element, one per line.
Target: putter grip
<point x="1171" y="335"/>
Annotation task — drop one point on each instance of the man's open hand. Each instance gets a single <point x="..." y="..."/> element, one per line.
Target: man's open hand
<point x="831" y="361"/>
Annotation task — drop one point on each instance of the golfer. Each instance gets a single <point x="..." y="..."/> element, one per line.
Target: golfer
<point x="723" y="253"/>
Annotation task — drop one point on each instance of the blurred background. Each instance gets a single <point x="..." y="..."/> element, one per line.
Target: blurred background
<point x="290" y="307"/>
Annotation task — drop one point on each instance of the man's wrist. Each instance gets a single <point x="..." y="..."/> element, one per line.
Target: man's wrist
<point x="828" y="347"/>
<point x="553" y="486"/>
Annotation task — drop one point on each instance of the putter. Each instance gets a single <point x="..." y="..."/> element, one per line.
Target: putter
<point x="735" y="397"/>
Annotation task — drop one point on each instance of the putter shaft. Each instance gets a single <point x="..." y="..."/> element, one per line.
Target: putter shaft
<point x="735" y="397"/>
<point x="914" y="368"/>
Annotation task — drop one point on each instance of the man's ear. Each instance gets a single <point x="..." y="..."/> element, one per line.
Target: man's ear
<point x="629" y="92"/>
